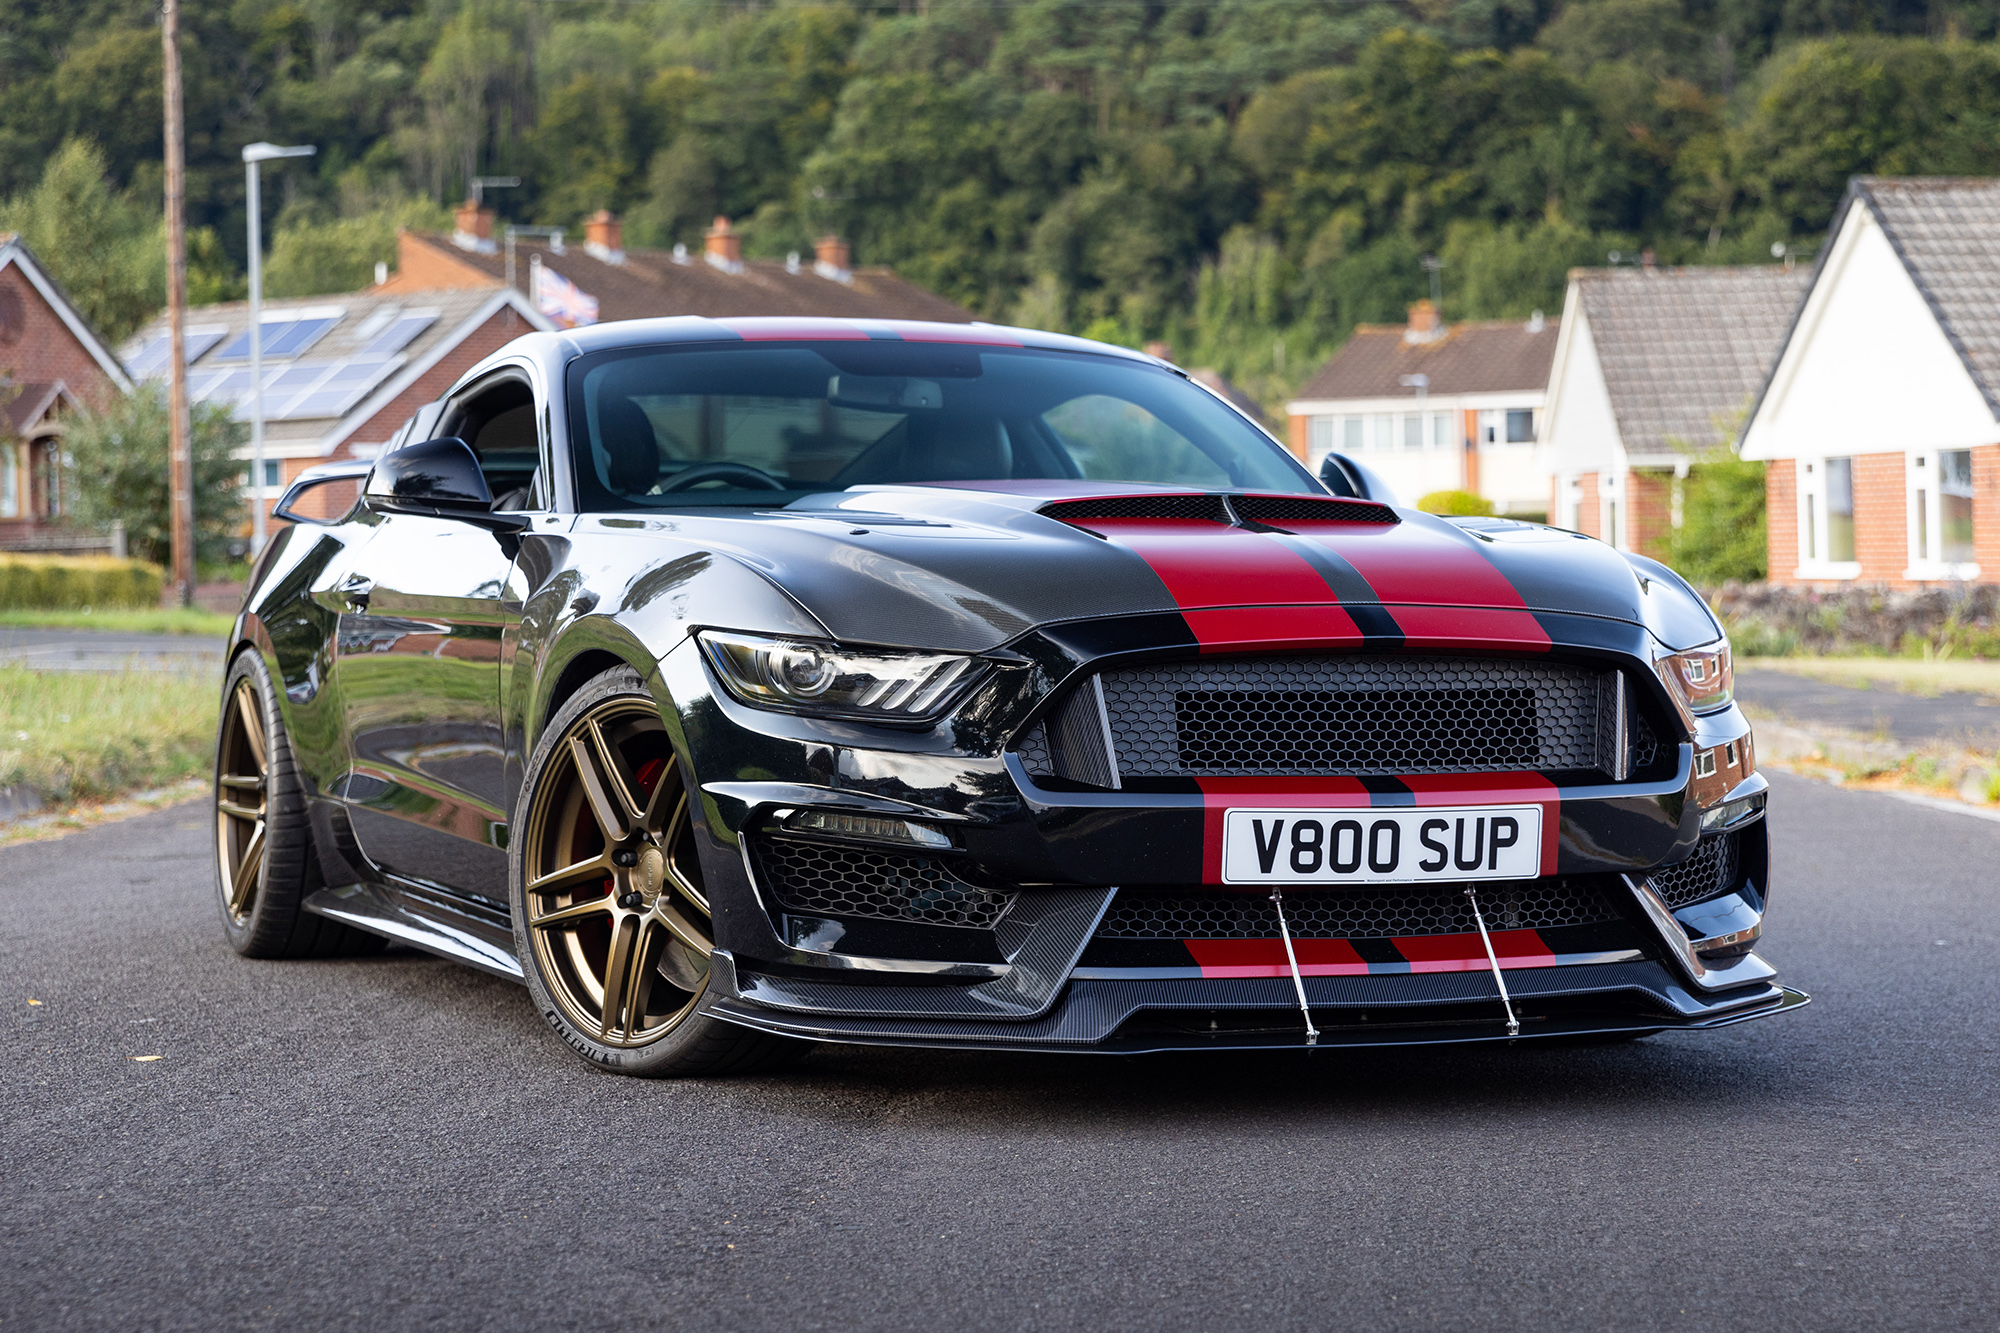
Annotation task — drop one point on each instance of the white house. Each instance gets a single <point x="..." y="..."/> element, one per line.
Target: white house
<point x="1653" y="366"/>
<point x="1880" y="422"/>
<point x="1435" y="407"/>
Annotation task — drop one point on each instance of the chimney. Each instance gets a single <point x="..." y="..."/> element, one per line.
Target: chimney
<point x="1425" y="326"/>
<point x="830" y="259"/>
<point x="724" y="247"/>
<point x="472" y="228"/>
<point x="1647" y="259"/>
<point x="604" y="237"/>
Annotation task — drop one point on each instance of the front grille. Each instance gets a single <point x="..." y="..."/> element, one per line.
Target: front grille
<point x="1354" y="715"/>
<point x="833" y="879"/>
<point x="1710" y="871"/>
<point x="1212" y="914"/>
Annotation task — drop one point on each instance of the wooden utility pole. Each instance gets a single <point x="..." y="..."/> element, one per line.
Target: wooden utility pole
<point x="180" y="468"/>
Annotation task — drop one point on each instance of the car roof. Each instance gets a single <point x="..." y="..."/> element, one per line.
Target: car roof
<point x="568" y="343"/>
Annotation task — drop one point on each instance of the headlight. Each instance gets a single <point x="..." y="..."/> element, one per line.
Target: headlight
<point x="814" y="676"/>
<point x="1704" y="678"/>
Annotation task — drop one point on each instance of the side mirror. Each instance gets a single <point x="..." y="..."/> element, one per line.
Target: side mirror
<point x="312" y="479"/>
<point x="437" y="479"/>
<point x="1344" y="476"/>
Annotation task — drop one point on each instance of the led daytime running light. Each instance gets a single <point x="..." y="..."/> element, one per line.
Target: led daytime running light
<point x="874" y="828"/>
<point x="814" y="676"/>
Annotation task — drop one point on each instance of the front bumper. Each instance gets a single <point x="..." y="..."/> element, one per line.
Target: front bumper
<point x="1032" y="981"/>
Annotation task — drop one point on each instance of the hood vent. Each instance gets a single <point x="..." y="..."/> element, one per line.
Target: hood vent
<point x="1278" y="510"/>
<point x="1254" y="511"/>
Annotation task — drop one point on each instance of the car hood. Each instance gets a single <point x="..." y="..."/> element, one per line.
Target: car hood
<point x="970" y="566"/>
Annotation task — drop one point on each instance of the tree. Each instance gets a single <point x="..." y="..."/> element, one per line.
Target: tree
<point x="99" y="245"/>
<point x="118" y="457"/>
<point x="310" y="257"/>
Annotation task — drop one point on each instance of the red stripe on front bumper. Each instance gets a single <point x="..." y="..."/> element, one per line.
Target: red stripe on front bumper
<point x="1337" y="958"/>
<point x="1218" y="794"/>
<point x="1494" y="789"/>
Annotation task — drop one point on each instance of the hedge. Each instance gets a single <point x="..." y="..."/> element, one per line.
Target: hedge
<point x="72" y="582"/>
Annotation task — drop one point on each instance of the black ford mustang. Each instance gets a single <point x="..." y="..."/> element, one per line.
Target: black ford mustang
<point x="738" y="682"/>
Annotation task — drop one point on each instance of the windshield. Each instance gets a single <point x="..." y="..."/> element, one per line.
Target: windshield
<point x="766" y="424"/>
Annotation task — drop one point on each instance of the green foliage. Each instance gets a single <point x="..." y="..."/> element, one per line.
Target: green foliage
<point x="120" y="472"/>
<point x="1461" y="503"/>
<point x="1247" y="181"/>
<point x="1721" y="536"/>
<point x="310" y="256"/>
<point x="71" y="583"/>
<point x="71" y="735"/>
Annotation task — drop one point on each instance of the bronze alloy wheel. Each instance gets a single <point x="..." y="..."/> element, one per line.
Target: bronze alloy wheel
<point x="242" y="801"/>
<point x="616" y="914"/>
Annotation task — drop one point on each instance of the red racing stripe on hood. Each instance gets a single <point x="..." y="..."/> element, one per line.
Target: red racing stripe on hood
<point x="1439" y="587"/>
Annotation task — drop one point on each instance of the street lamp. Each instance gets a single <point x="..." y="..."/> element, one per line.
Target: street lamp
<point x="254" y="156"/>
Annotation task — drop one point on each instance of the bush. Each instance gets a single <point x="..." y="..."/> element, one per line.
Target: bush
<point x="70" y="583"/>
<point x="1721" y="536"/>
<point x="1461" y="503"/>
<point x="119" y="456"/>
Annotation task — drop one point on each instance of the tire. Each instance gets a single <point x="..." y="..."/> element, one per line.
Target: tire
<point x="611" y="922"/>
<point x="264" y="860"/>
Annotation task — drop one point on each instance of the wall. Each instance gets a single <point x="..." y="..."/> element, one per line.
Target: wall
<point x="1986" y="511"/>
<point x="1649" y="510"/>
<point x="36" y="345"/>
<point x="1781" y="517"/>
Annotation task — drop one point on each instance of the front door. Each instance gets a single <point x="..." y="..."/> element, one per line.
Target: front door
<point x="418" y="661"/>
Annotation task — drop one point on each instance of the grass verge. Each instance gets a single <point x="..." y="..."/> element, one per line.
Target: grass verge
<point x="1911" y="675"/>
<point x="86" y="735"/>
<point x="209" y="624"/>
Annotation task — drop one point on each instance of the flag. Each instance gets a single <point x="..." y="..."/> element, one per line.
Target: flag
<point x="562" y="300"/>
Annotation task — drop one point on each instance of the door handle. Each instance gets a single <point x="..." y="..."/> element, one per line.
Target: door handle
<point x="356" y="588"/>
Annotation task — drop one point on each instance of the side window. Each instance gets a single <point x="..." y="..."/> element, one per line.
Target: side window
<point x="499" y="424"/>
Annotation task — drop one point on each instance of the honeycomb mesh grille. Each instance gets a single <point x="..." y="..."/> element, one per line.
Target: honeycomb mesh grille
<point x="1278" y="510"/>
<point x="832" y="879"/>
<point x="1212" y="914"/>
<point x="1352" y="715"/>
<point x="1140" y="506"/>
<point x="1710" y="871"/>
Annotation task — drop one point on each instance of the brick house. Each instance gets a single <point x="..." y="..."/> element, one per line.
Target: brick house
<point x="1654" y="365"/>
<point x="1433" y="407"/>
<point x="341" y="373"/>
<point x="1879" y="424"/>
<point x="643" y="284"/>
<point x="51" y="363"/>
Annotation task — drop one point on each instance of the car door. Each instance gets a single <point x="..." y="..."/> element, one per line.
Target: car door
<point x="425" y="608"/>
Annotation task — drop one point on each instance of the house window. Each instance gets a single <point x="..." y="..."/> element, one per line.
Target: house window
<point x="1319" y="436"/>
<point x="10" y="480"/>
<point x="1940" y="498"/>
<point x="1350" y="435"/>
<point x="1413" y="431"/>
<point x="1440" y="430"/>
<point x="1521" y="426"/>
<point x="1826" y="518"/>
<point x="1385" y="431"/>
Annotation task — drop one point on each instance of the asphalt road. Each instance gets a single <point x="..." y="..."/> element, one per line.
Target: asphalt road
<point x="1958" y="718"/>
<point x="398" y="1143"/>
<point x="97" y="650"/>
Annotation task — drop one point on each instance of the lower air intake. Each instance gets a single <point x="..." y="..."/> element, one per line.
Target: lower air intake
<point x="837" y="880"/>
<point x="1210" y="914"/>
<point x="1710" y="871"/>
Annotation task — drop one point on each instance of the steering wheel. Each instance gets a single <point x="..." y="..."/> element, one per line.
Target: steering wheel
<point x="755" y="478"/>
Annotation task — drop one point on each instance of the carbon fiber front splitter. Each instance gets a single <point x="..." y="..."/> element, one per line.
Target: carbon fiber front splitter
<point x="1141" y="1015"/>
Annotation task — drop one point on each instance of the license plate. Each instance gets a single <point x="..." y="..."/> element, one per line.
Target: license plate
<point x="1379" y="846"/>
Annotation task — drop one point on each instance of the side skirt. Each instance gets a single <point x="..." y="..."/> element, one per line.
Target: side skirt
<point x="459" y="931"/>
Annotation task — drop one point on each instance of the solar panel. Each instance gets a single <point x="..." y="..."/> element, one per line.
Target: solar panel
<point x="151" y="359"/>
<point x="282" y="338"/>
<point x="325" y="389"/>
<point x="398" y="335"/>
